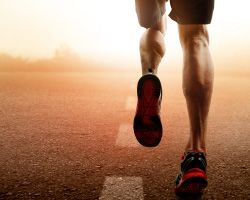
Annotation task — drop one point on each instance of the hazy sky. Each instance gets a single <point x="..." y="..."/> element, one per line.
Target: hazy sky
<point x="107" y="28"/>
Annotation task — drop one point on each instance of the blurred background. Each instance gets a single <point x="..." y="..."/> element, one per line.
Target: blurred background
<point x="79" y="35"/>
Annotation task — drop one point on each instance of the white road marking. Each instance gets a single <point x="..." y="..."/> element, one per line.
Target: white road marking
<point x="131" y="103"/>
<point x="126" y="137"/>
<point x="122" y="188"/>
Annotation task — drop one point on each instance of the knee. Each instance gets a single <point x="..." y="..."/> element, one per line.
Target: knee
<point x="194" y="37"/>
<point x="150" y="12"/>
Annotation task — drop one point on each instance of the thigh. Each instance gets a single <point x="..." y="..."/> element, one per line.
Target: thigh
<point x="149" y="12"/>
<point x="192" y="11"/>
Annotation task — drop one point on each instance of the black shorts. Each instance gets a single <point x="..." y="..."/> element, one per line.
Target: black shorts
<point x="149" y="12"/>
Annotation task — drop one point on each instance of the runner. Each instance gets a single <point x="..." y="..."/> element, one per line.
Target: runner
<point x="192" y="17"/>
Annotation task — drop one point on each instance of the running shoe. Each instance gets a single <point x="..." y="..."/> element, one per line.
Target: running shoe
<point x="147" y="123"/>
<point x="192" y="179"/>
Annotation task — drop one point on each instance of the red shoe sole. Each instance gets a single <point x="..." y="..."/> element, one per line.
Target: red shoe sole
<point x="147" y="123"/>
<point x="194" y="181"/>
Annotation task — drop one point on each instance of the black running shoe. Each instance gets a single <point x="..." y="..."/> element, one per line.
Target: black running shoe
<point x="192" y="178"/>
<point x="147" y="123"/>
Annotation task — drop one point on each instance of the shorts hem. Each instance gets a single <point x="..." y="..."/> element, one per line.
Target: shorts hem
<point x="186" y="22"/>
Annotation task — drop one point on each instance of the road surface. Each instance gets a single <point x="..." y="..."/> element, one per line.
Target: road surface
<point x="69" y="136"/>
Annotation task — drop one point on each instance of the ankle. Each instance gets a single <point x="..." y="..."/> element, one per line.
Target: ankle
<point x="149" y="71"/>
<point x="195" y="150"/>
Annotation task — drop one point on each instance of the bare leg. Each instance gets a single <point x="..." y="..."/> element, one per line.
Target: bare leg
<point x="152" y="47"/>
<point x="197" y="81"/>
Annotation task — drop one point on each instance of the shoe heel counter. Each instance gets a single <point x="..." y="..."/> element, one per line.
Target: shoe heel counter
<point x="194" y="160"/>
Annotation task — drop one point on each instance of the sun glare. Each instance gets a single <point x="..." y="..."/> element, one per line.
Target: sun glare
<point x="101" y="28"/>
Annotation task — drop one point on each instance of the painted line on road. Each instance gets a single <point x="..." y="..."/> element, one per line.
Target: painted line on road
<point x="131" y="103"/>
<point x="126" y="137"/>
<point x="122" y="188"/>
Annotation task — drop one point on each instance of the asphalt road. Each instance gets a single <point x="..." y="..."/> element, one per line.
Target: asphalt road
<point x="69" y="136"/>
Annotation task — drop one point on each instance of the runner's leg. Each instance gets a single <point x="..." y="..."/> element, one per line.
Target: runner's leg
<point x="152" y="47"/>
<point x="197" y="81"/>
